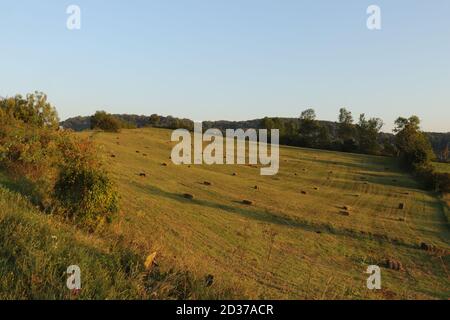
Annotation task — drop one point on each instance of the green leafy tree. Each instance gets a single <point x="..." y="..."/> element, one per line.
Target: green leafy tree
<point x="105" y="121"/>
<point x="413" y="146"/>
<point x="33" y="110"/>
<point x="309" y="128"/>
<point x="368" y="131"/>
<point x="346" y="130"/>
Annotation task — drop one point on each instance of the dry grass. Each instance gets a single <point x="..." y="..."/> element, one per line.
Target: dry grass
<point x="285" y="245"/>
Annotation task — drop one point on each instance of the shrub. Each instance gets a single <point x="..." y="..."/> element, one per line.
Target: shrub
<point x="33" y="110"/>
<point x="53" y="168"/>
<point x="105" y="121"/>
<point x="83" y="188"/>
<point x="28" y="154"/>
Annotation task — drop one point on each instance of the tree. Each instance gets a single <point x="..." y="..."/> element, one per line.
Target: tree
<point x="413" y="146"/>
<point x="33" y="110"/>
<point x="346" y="130"/>
<point x="154" y="120"/>
<point x="308" y="128"/>
<point x="368" y="131"/>
<point x="324" y="140"/>
<point x="105" y="121"/>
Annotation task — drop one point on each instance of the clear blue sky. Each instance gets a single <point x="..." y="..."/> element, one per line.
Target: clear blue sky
<point x="231" y="59"/>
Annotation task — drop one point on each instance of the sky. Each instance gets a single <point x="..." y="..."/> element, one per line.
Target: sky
<point x="232" y="59"/>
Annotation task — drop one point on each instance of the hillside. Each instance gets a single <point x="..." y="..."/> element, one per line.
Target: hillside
<point x="285" y="245"/>
<point x="439" y="141"/>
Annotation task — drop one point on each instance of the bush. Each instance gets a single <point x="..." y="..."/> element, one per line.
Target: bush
<point x="54" y="168"/>
<point x="33" y="110"/>
<point x="83" y="188"/>
<point x="28" y="155"/>
<point x="105" y="121"/>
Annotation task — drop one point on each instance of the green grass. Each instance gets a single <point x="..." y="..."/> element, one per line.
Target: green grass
<point x="35" y="251"/>
<point x="285" y="246"/>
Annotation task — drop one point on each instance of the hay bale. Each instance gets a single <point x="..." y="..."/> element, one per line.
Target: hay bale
<point x="207" y="183"/>
<point x="164" y="164"/>
<point x="113" y="156"/>
<point x="188" y="196"/>
<point x="142" y="174"/>
<point x="401" y="206"/>
<point x="316" y="188"/>
<point x="303" y="192"/>
<point x="393" y="264"/>
<point x="234" y="174"/>
<point x="426" y="246"/>
<point x="247" y="202"/>
<point x="256" y="188"/>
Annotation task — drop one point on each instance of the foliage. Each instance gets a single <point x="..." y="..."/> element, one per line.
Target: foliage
<point x="55" y="169"/>
<point x="33" y="110"/>
<point x="367" y="134"/>
<point x="413" y="147"/>
<point x="83" y="188"/>
<point x="105" y="121"/>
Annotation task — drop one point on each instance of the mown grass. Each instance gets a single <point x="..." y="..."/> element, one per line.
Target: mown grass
<point x="36" y="250"/>
<point x="286" y="245"/>
<point x="272" y="249"/>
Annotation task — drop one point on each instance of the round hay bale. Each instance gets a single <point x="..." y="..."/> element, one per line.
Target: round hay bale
<point x="188" y="196"/>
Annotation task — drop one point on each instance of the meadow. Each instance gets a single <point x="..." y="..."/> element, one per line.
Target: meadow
<point x="308" y="232"/>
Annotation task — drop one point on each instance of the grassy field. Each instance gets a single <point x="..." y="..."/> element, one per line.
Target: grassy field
<point x="442" y="167"/>
<point x="296" y="241"/>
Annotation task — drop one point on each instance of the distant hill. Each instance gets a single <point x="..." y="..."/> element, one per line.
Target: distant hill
<point x="439" y="141"/>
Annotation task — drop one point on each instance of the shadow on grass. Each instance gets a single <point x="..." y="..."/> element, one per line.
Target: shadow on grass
<point x="272" y="218"/>
<point x="20" y="185"/>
